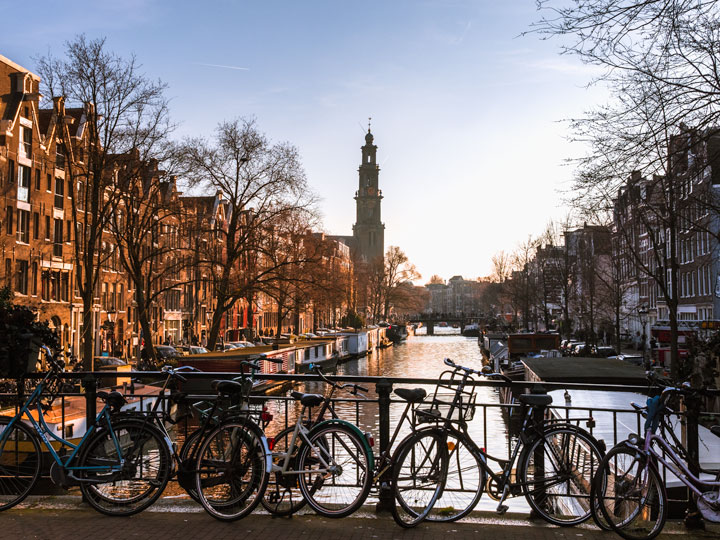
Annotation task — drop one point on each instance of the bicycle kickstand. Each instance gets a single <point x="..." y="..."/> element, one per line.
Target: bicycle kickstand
<point x="502" y="508"/>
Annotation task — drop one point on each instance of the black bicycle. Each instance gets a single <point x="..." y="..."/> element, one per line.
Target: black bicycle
<point x="552" y="464"/>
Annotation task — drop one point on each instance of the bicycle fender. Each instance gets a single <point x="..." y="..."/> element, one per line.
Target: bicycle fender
<point x="260" y="434"/>
<point x="355" y="429"/>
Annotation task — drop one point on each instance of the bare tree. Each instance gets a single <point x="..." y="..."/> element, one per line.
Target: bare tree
<point x="260" y="182"/>
<point x="118" y="110"/>
<point x="659" y="60"/>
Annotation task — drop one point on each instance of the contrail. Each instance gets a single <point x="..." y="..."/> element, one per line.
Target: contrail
<point x="221" y="66"/>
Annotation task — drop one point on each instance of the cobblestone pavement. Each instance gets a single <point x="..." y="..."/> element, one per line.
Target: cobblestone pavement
<point x="184" y="523"/>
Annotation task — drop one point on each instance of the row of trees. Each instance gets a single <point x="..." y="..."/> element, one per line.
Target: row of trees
<point x="123" y="165"/>
<point x="658" y="59"/>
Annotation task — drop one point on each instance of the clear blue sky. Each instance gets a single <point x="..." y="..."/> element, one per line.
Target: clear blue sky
<point x="466" y="114"/>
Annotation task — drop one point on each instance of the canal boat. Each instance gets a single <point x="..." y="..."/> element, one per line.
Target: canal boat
<point x="471" y="330"/>
<point x="357" y="342"/>
<point x="397" y="332"/>
<point x="322" y="352"/>
<point x="231" y="362"/>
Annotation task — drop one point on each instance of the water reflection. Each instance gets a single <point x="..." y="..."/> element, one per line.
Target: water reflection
<point x="418" y="357"/>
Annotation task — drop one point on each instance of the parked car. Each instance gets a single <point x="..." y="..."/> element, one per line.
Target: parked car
<point x="107" y="361"/>
<point x="635" y="359"/>
<point x="604" y="351"/>
<point x="240" y="344"/>
<point x="568" y="350"/>
<point x="580" y="349"/>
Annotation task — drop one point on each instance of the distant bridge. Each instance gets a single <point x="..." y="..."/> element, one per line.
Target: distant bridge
<point x="431" y="320"/>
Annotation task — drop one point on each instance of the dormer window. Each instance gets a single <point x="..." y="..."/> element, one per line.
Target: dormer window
<point x="26" y="141"/>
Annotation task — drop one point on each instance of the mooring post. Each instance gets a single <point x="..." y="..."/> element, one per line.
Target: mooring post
<point x="385" y="497"/>
<point x="90" y="385"/>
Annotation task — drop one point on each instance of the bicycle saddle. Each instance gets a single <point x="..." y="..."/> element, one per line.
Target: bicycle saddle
<point x="115" y="399"/>
<point x="308" y="400"/>
<point x="411" y="395"/>
<point x="715" y="430"/>
<point x="535" y="400"/>
<point x="227" y="388"/>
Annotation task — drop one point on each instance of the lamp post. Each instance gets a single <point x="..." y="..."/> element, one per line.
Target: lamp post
<point x="642" y="315"/>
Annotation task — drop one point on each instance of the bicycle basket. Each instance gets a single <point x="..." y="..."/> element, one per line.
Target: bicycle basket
<point x="450" y="401"/>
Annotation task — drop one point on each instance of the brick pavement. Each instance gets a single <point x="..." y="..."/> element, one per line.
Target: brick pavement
<point x="187" y="523"/>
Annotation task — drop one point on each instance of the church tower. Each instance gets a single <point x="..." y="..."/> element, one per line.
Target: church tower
<point x="369" y="231"/>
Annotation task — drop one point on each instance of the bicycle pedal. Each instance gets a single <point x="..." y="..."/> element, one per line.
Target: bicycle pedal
<point x="502" y="509"/>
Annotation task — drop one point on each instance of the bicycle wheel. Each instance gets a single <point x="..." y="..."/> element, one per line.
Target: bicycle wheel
<point x="124" y="468"/>
<point x="20" y="462"/>
<point x="231" y="476"/>
<point x="631" y="494"/>
<point x="464" y="482"/>
<point x="419" y="476"/>
<point x="335" y="470"/>
<point x="556" y="473"/>
<point x="283" y="496"/>
<point x="186" y="467"/>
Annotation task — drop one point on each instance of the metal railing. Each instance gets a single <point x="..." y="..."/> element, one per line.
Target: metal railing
<point x="376" y="411"/>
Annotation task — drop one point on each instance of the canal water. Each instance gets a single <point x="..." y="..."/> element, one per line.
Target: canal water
<point x="420" y="356"/>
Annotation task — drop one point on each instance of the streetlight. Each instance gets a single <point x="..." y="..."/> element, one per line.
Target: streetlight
<point x="642" y="315"/>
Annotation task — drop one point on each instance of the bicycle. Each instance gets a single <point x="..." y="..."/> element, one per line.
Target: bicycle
<point x="629" y="489"/>
<point x="211" y="414"/>
<point x="121" y="464"/>
<point x="326" y="463"/>
<point x="555" y="459"/>
<point x="284" y="496"/>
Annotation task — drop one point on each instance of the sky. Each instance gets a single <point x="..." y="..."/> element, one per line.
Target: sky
<point x="467" y="114"/>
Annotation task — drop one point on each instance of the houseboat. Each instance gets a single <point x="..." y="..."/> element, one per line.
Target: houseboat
<point x="397" y="332"/>
<point x="231" y="362"/>
<point x="357" y="342"/>
<point x="325" y="352"/>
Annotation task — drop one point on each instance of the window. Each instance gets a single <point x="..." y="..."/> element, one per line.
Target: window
<point x="47" y="228"/>
<point x="36" y="225"/>
<point x="26" y="142"/>
<point x="68" y="237"/>
<point x="49" y="182"/>
<point x="57" y="243"/>
<point x="33" y="280"/>
<point x="104" y="302"/>
<point x="8" y="272"/>
<point x="59" y="157"/>
<point x="45" y="285"/>
<point x="65" y="287"/>
<point x="59" y="193"/>
<point x="23" y="226"/>
<point x="22" y="277"/>
<point x="23" y="190"/>
<point x="9" y="220"/>
<point x="11" y="171"/>
<point x="37" y="179"/>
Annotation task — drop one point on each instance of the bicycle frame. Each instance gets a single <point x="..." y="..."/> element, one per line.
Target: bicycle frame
<point x="674" y="464"/>
<point x="43" y="430"/>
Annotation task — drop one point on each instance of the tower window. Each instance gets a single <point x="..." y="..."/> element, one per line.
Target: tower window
<point x="368" y="159"/>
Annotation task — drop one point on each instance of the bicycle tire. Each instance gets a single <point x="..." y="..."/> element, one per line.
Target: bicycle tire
<point x="146" y="470"/>
<point x="633" y="502"/>
<point x="20" y="462"/>
<point x="419" y="473"/>
<point x="186" y="467"/>
<point x="464" y="481"/>
<point x="349" y="459"/>
<point x="558" y="488"/>
<point x="283" y="496"/>
<point x="230" y="471"/>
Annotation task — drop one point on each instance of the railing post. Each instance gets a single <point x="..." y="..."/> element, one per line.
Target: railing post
<point x="385" y="495"/>
<point x="539" y="455"/>
<point x="90" y="385"/>
<point x="693" y="518"/>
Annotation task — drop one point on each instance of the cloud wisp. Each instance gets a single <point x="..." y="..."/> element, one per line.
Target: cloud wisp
<point x="222" y="66"/>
